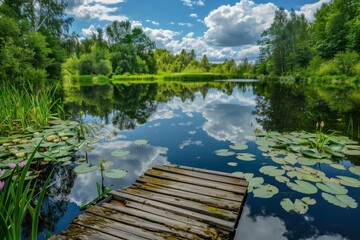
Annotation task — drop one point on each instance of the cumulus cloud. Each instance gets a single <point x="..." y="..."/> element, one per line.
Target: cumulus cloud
<point x="161" y="36"/>
<point x="193" y="15"/>
<point x="310" y="9"/>
<point x="97" y="11"/>
<point x="240" y="24"/>
<point x="191" y="3"/>
<point x="185" y="24"/>
<point x="88" y="32"/>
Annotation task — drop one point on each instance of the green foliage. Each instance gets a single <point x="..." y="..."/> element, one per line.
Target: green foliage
<point x="16" y="200"/>
<point x="22" y="108"/>
<point x="345" y="62"/>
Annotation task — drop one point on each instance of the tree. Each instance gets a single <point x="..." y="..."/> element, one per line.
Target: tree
<point x="205" y="64"/>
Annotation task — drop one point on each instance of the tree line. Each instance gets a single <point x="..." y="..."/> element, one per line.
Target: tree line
<point x="328" y="46"/>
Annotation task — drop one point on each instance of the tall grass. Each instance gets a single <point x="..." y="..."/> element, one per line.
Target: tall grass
<point x="21" y="108"/>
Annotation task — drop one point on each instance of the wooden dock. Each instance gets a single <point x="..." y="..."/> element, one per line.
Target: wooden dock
<point x="167" y="202"/>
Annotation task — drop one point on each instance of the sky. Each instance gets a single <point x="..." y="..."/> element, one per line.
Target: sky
<point x="221" y="29"/>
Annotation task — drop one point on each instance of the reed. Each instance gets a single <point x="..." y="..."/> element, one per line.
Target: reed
<point x="21" y="108"/>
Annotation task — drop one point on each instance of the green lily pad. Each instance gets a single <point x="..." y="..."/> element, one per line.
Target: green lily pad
<point x="282" y="179"/>
<point x="256" y="181"/>
<point x="116" y="173"/>
<point x="332" y="188"/>
<point x="265" y="191"/>
<point x="355" y="170"/>
<point x="141" y="142"/>
<point x="352" y="152"/>
<point x="233" y="164"/>
<point x="245" y="156"/>
<point x="278" y="160"/>
<point x="224" y="153"/>
<point x="263" y="149"/>
<point x="300" y="207"/>
<point x="120" y="153"/>
<point x="311" y="153"/>
<point x="303" y="187"/>
<point x="337" y="166"/>
<point x="287" y="204"/>
<point x="353" y="147"/>
<point x="349" y="181"/>
<point x="271" y="171"/>
<point x="66" y="163"/>
<point x="85" y="168"/>
<point x="309" y="200"/>
<point x="239" y="146"/>
<point x="343" y="201"/>
<point x="264" y="142"/>
<point x="311" y="178"/>
<point x="291" y="158"/>
<point x="65" y="159"/>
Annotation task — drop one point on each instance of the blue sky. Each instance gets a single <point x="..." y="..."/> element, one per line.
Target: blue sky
<point x="221" y="29"/>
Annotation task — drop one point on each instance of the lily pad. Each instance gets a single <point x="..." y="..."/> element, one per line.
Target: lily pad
<point x="282" y="179"/>
<point x="337" y="166"/>
<point x="265" y="191"/>
<point x="343" y="201"/>
<point x="256" y="181"/>
<point x="120" y="153"/>
<point x="239" y="146"/>
<point x="300" y="206"/>
<point x="355" y="170"/>
<point x="309" y="200"/>
<point x="278" y="160"/>
<point x="264" y="142"/>
<point x="332" y="188"/>
<point x="141" y="142"/>
<point x="85" y="168"/>
<point x="233" y="164"/>
<point x="271" y="171"/>
<point x="291" y="158"/>
<point x="224" y="153"/>
<point x="303" y="187"/>
<point x="245" y="156"/>
<point x="287" y="204"/>
<point x="352" y="152"/>
<point x="349" y="181"/>
<point x="116" y="173"/>
<point x="311" y="178"/>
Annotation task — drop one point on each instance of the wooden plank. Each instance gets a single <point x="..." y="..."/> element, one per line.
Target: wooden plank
<point x="224" y="174"/>
<point x="77" y="232"/>
<point x="175" y="224"/>
<point x="211" y="201"/>
<point x="194" y="189"/>
<point x="125" y="218"/>
<point x="183" y="203"/>
<point x="223" y="224"/>
<point x="168" y="214"/>
<point x="202" y="175"/>
<point x="194" y="181"/>
<point x="114" y="228"/>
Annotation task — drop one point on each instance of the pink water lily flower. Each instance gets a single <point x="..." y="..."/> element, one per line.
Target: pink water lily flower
<point x="22" y="164"/>
<point x="1" y="172"/>
<point x="11" y="165"/>
<point x="2" y="183"/>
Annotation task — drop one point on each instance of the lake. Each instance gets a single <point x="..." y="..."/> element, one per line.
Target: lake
<point x="185" y="122"/>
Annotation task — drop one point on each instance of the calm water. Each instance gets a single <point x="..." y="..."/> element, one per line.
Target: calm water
<point x="186" y="122"/>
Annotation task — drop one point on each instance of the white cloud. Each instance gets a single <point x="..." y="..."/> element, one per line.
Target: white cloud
<point x="97" y="11"/>
<point x="310" y="9"/>
<point x="161" y="36"/>
<point x="88" y="32"/>
<point x="240" y="24"/>
<point x="185" y="24"/>
<point x="191" y="3"/>
<point x="193" y="15"/>
<point x="153" y="22"/>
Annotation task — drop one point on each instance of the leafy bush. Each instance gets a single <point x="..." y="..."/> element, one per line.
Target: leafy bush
<point x="345" y="62"/>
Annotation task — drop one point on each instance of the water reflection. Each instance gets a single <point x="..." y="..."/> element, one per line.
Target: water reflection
<point x="264" y="227"/>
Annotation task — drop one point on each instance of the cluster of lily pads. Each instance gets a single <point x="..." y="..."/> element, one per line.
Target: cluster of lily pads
<point x="293" y="155"/>
<point x="104" y="165"/>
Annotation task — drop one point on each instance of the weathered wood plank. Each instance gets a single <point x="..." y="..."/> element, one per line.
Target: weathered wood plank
<point x="203" y="175"/>
<point x="77" y="232"/>
<point x="167" y="214"/>
<point x="125" y="218"/>
<point x="114" y="228"/>
<point x="208" y="191"/>
<point x="223" y="224"/>
<point x="183" y="203"/>
<point x="211" y="201"/>
<point x="205" y="171"/>
<point x="192" y="180"/>
<point x="207" y="233"/>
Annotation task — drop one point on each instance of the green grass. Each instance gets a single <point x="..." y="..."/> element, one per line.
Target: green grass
<point x="171" y="77"/>
<point x="21" y="108"/>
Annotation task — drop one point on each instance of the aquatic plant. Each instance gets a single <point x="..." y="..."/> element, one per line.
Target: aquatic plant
<point x="22" y="108"/>
<point x="16" y="200"/>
